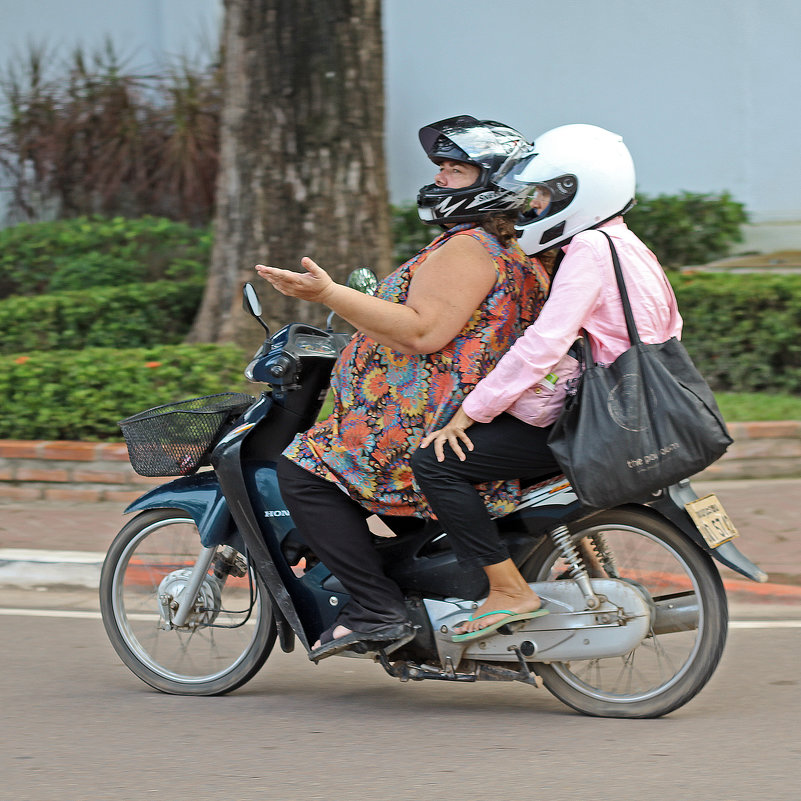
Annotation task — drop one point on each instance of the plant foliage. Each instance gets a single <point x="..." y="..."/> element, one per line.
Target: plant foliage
<point x="742" y="329"/>
<point x="83" y="394"/>
<point x="688" y="228"/>
<point x="91" y="136"/>
<point x="409" y="233"/>
<point x="683" y="229"/>
<point x="95" y="251"/>
<point x="129" y="316"/>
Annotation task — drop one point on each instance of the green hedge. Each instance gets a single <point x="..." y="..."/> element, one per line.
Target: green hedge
<point x="688" y="228"/>
<point x="82" y="395"/>
<point x="134" y="315"/>
<point x="742" y="330"/>
<point x="83" y="252"/>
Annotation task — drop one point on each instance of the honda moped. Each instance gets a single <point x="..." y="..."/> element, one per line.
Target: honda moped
<point x="197" y="588"/>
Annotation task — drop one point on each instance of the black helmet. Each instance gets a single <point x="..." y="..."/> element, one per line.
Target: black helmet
<point x="492" y="147"/>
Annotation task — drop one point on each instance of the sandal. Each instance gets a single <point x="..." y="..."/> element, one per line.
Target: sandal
<point x="330" y="646"/>
<point x="511" y="617"/>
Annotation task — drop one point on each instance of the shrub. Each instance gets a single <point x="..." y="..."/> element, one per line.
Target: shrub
<point x="82" y="395"/>
<point x="409" y="233"/>
<point x="136" y="315"/>
<point x="681" y="229"/>
<point x="91" y="136"/>
<point x="687" y="228"/>
<point x="96" y="251"/>
<point x="742" y="330"/>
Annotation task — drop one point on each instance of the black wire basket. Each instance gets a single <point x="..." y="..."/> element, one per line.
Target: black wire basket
<point x="176" y="439"/>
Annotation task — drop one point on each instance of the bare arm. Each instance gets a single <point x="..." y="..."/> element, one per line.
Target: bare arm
<point x="445" y="291"/>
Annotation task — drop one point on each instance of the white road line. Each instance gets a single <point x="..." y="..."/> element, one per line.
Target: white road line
<point x="76" y="613"/>
<point x="87" y="615"/>
<point x="765" y="624"/>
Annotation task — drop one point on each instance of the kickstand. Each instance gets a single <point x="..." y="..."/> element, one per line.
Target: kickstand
<point x="525" y="675"/>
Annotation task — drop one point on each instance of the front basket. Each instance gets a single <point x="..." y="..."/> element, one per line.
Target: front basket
<point x="176" y="439"/>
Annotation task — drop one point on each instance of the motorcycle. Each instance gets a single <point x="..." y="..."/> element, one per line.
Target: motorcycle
<point x="198" y="586"/>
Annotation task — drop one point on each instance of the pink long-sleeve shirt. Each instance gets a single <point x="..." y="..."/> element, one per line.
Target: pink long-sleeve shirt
<point x="584" y="295"/>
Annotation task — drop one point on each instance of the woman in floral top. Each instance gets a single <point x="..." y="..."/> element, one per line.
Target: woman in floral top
<point x="437" y="325"/>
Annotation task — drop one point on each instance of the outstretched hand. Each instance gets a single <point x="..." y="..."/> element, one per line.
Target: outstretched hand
<point x="453" y="434"/>
<point x="315" y="285"/>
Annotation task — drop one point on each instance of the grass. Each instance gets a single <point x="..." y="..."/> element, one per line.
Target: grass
<point x="746" y="407"/>
<point x="736" y="407"/>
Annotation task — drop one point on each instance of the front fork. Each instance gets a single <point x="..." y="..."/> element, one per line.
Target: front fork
<point x="185" y="603"/>
<point x="186" y="600"/>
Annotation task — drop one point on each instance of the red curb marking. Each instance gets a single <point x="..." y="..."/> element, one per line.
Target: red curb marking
<point x="659" y="580"/>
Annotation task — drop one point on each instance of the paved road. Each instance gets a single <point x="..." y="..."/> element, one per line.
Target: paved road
<point x="78" y="725"/>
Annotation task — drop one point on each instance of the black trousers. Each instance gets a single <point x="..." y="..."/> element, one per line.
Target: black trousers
<point x="506" y="448"/>
<point x="335" y="527"/>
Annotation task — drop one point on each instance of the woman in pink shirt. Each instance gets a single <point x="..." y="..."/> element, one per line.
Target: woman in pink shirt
<point x="582" y="180"/>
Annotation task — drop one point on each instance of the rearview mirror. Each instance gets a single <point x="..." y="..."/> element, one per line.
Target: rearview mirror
<point x="250" y="300"/>
<point x="363" y="279"/>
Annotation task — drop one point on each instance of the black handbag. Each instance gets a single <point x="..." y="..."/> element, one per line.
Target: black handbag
<point x="643" y="423"/>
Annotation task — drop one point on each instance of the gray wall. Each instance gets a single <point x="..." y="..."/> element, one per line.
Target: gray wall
<point x="705" y="92"/>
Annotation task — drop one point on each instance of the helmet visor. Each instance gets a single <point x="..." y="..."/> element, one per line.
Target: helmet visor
<point x="478" y="140"/>
<point x="542" y="197"/>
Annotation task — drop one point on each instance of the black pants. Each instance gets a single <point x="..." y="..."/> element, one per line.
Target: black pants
<point x="335" y="527"/>
<point x="506" y="448"/>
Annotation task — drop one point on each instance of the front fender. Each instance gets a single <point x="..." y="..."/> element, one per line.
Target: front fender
<point x="201" y="498"/>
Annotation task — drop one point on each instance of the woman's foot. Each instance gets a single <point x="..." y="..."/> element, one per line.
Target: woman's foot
<point x="483" y="617"/>
<point x="339" y="631"/>
<point x="509" y="592"/>
<point x="339" y="638"/>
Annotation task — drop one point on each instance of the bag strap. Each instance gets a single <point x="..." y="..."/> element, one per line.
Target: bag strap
<point x="634" y="336"/>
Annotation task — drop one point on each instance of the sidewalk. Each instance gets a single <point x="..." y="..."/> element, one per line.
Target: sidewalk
<point x="52" y="543"/>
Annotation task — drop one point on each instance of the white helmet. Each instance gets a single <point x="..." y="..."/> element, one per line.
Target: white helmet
<point x="579" y="177"/>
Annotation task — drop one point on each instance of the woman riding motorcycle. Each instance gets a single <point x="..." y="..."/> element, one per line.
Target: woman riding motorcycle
<point x="437" y="325"/>
<point x="586" y="176"/>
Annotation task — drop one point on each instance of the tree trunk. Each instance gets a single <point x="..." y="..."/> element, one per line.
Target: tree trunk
<point x="302" y="168"/>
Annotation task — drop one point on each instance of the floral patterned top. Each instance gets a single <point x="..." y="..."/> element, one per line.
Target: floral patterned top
<point x="385" y="402"/>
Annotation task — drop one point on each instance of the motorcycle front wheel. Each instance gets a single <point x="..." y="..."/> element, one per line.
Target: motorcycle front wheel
<point x="673" y="663"/>
<point x="230" y="630"/>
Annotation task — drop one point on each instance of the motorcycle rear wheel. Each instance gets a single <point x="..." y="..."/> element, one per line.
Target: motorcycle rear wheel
<point x="223" y="644"/>
<point x="667" y="669"/>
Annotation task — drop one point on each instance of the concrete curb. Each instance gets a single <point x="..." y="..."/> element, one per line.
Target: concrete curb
<point x="32" y="470"/>
<point x="28" y="569"/>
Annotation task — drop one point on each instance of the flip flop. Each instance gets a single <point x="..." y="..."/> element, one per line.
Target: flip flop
<point x="511" y="617"/>
<point x="330" y="646"/>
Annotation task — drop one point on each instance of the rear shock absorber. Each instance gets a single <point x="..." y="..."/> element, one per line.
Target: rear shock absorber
<point x="568" y="551"/>
<point x="605" y="555"/>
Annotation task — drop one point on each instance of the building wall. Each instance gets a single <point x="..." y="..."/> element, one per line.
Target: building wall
<point x="702" y="92"/>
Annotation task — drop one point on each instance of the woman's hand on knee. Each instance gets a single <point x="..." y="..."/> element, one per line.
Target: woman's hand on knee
<point x="454" y="434"/>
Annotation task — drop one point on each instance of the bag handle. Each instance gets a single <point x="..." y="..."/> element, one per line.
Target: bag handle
<point x="634" y="336"/>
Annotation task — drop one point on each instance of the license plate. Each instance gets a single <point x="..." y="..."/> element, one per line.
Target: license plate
<point x="712" y="521"/>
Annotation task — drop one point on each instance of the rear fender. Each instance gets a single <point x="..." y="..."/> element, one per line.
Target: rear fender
<point x="671" y="503"/>
<point x="201" y="498"/>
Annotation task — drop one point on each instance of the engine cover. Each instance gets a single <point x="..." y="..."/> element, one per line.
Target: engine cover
<point x="568" y="632"/>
